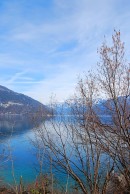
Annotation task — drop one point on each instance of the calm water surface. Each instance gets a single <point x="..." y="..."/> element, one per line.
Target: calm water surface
<point x="23" y="158"/>
<point x="22" y="151"/>
<point x="19" y="144"/>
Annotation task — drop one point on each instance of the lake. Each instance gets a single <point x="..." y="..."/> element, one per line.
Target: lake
<point x="22" y="155"/>
<point x="17" y="140"/>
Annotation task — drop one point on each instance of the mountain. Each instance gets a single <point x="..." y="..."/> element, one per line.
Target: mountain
<point x="15" y="103"/>
<point x="103" y="107"/>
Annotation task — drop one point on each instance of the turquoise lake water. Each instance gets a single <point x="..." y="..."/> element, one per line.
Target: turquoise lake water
<point x="23" y="161"/>
<point x="23" y="158"/>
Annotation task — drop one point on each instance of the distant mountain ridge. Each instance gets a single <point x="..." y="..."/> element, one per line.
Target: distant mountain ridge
<point x="15" y="103"/>
<point x="101" y="106"/>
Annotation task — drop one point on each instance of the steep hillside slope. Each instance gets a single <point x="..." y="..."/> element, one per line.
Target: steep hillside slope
<point x="15" y="103"/>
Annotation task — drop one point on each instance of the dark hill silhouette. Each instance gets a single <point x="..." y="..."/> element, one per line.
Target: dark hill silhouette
<point x="15" y="103"/>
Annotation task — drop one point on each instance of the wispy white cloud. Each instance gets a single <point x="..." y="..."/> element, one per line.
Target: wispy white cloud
<point x="17" y="76"/>
<point x="45" y="46"/>
<point x="62" y="86"/>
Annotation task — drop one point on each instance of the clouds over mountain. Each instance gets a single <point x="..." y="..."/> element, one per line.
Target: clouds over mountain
<point x="46" y="44"/>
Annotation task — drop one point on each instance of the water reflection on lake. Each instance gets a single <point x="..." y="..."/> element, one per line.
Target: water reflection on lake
<point x="18" y="141"/>
<point x="16" y="133"/>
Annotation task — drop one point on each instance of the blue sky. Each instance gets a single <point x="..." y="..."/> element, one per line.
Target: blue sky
<point x="46" y="44"/>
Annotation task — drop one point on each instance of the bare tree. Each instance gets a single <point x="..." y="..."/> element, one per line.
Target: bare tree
<point x="84" y="145"/>
<point x="73" y="145"/>
<point x="114" y="81"/>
